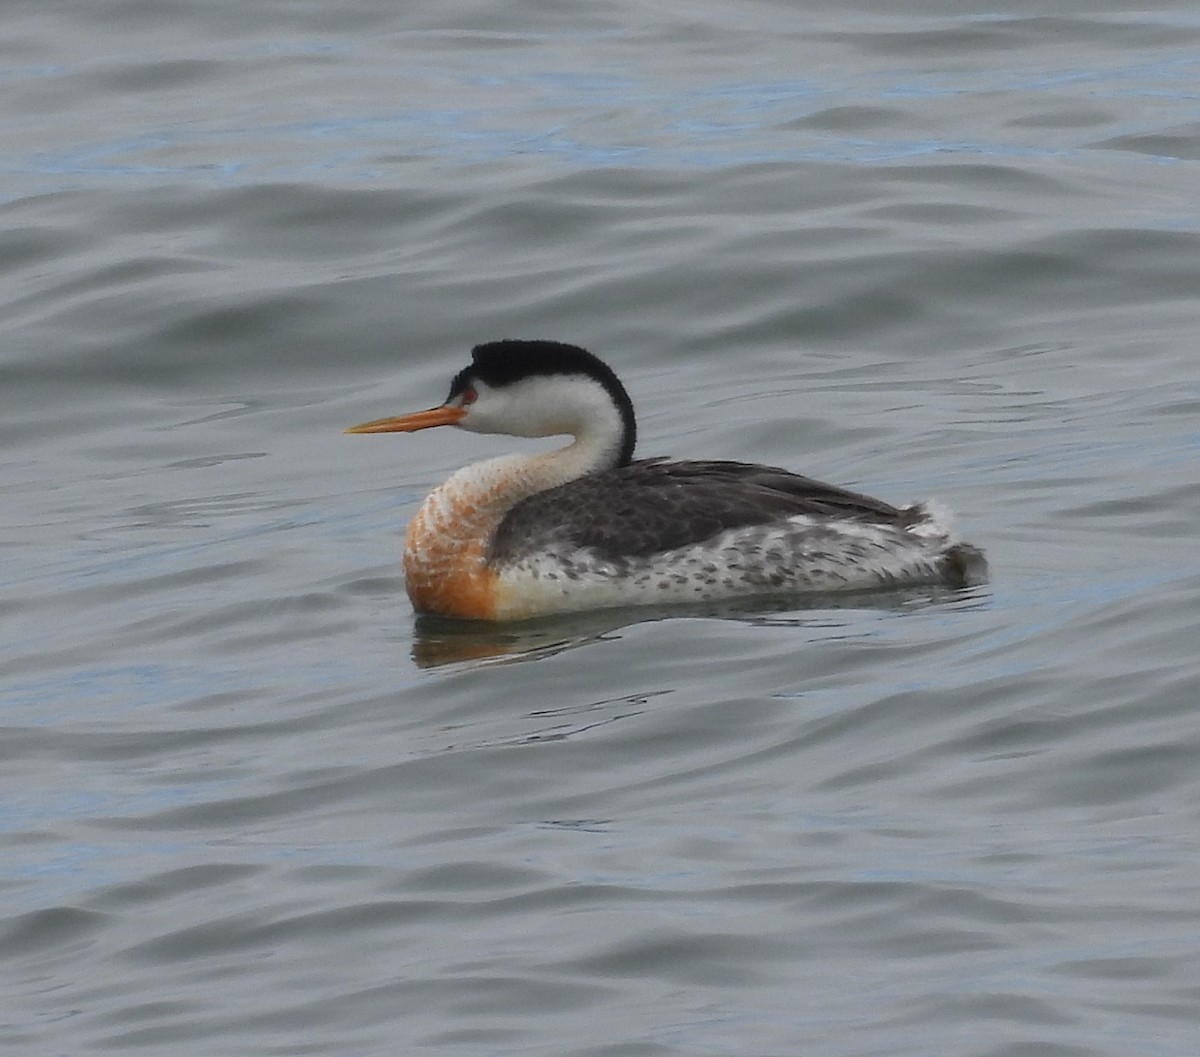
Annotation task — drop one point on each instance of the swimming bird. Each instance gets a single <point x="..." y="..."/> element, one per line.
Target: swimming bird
<point x="588" y="526"/>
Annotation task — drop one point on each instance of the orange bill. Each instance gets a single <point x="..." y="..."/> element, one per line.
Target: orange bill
<point x="435" y="416"/>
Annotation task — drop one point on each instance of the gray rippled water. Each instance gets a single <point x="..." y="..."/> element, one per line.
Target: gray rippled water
<point x="249" y="804"/>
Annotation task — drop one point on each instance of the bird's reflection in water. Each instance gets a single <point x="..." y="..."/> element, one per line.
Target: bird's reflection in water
<point x="438" y="641"/>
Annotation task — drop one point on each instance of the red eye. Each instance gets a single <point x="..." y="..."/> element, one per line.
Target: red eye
<point x="469" y="396"/>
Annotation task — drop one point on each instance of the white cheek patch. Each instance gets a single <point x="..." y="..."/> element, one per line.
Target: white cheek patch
<point x="544" y="406"/>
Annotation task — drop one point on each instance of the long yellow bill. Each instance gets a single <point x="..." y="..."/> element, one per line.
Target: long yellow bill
<point x="435" y="416"/>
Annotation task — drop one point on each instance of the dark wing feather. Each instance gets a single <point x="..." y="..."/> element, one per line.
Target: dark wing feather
<point x="653" y="505"/>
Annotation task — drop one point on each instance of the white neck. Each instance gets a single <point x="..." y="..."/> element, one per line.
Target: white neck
<point x="471" y="504"/>
<point x="507" y="479"/>
<point x="552" y="405"/>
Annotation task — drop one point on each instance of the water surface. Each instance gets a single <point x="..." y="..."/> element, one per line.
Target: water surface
<point x="251" y="805"/>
